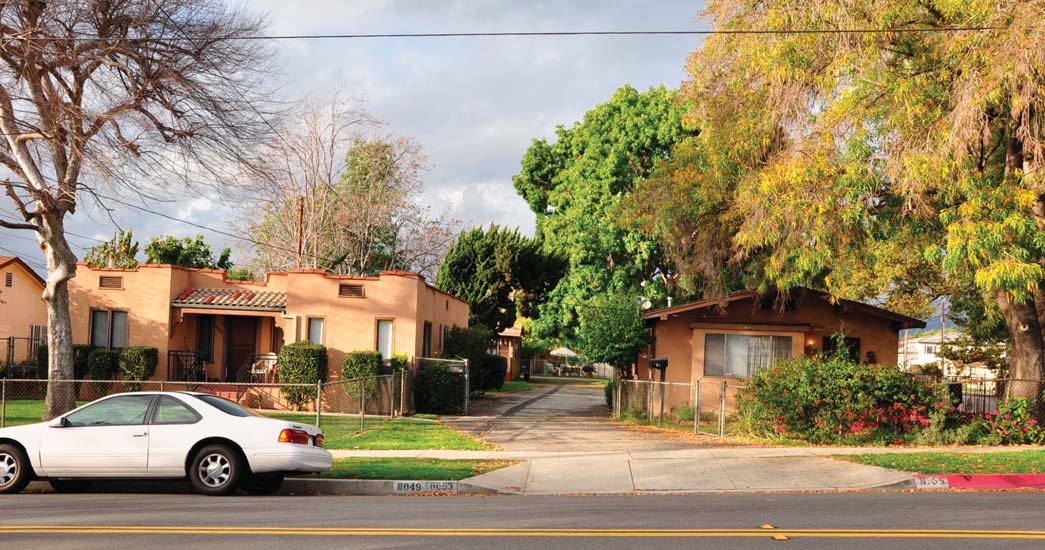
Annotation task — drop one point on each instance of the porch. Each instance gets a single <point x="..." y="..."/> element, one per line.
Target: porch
<point x="225" y="335"/>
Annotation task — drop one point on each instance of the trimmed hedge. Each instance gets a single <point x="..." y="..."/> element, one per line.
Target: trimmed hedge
<point x="138" y="363"/>
<point x="101" y="366"/>
<point x="400" y="362"/>
<point x="438" y="389"/>
<point x="494" y="369"/>
<point x="365" y="365"/>
<point x="301" y="363"/>
<point x="80" y="353"/>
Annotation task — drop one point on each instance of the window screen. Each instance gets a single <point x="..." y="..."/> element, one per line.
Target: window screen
<point x="742" y="355"/>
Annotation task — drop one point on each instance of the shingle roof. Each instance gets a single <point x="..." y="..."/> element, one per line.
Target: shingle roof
<point x="231" y="298"/>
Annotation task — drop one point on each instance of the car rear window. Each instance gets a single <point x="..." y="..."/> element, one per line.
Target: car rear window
<point x="228" y="407"/>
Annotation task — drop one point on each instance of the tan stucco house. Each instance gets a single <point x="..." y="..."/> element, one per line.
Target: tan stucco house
<point x="205" y="325"/>
<point x="23" y="315"/>
<point x="730" y="338"/>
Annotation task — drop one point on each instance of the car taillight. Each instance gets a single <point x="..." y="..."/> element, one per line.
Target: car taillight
<point x="293" y="436"/>
<point x="319" y="440"/>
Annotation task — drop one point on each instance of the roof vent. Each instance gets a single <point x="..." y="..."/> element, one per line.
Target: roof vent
<point x="110" y="282"/>
<point x="350" y="291"/>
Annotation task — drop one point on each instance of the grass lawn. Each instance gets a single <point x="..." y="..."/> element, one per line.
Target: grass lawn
<point x="570" y="381"/>
<point x="1014" y="462"/>
<point x="29" y="411"/>
<point x="511" y="387"/>
<point x="418" y="432"/>
<point x="411" y="468"/>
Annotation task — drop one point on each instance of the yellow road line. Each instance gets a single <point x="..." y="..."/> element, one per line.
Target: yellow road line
<point x="517" y="532"/>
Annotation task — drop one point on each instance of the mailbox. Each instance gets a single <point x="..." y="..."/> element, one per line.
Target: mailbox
<point x="659" y="363"/>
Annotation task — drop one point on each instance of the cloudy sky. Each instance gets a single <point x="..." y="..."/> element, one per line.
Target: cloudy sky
<point x="474" y="104"/>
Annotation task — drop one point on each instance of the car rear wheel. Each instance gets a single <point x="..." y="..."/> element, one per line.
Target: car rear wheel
<point x="215" y="470"/>
<point x="70" y="485"/>
<point x="262" y="484"/>
<point x="15" y="471"/>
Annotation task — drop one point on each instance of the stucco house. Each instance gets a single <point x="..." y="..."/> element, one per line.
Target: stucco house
<point x="508" y="344"/>
<point x="23" y="315"/>
<point x="208" y="327"/>
<point x="730" y="338"/>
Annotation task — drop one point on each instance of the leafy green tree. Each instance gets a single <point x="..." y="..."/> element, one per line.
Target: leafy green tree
<point x="867" y="161"/>
<point x="120" y="252"/>
<point x="240" y="274"/>
<point x="575" y="185"/>
<point x="186" y="252"/>
<point x="499" y="272"/>
<point x="611" y="330"/>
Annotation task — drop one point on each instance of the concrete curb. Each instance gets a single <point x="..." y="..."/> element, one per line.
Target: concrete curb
<point x="981" y="482"/>
<point x="295" y="486"/>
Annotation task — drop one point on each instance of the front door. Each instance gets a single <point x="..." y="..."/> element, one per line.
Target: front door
<point x="241" y="345"/>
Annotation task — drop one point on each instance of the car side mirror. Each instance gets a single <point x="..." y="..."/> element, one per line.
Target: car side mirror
<point x="59" y="422"/>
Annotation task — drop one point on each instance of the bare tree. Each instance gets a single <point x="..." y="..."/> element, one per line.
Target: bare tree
<point x="349" y="192"/>
<point x="101" y="95"/>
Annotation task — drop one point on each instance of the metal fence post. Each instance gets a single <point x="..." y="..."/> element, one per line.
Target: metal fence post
<point x="3" y="403"/>
<point x="319" y="400"/>
<point x="618" y="399"/>
<point x="392" y="395"/>
<point x="161" y="385"/>
<point x="467" y="390"/>
<point x="722" y="410"/>
<point x="696" y="407"/>
<point x="362" y="404"/>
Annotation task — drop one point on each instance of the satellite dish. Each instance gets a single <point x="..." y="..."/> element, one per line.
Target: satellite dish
<point x="645" y="302"/>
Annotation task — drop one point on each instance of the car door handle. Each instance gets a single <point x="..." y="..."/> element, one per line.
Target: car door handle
<point x="143" y="434"/>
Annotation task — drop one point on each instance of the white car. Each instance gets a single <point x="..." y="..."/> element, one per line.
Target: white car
<point x="220" y="445"/>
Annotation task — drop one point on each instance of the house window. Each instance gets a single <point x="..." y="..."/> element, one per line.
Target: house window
<point x="852" y="347"/>
<point x="741" y="355"/>
<point x="205" y="337"/>
<point x="38" y="333"/>
<point x="384" y="337"/>
<point x="426" y="342"/>
<point x="315" y="330"/>
<point x="350" y="291"/>
<point x="930" y="350"/>
<point x="9" y="279"/>
<point x="110" y="282"/>
<point x="108" y="329"/>
<point x="444" y="336"/>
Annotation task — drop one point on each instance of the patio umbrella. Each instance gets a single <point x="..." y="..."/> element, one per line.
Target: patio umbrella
<point x="562" y="352"/>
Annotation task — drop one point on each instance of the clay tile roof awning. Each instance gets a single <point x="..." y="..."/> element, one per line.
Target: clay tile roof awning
<point x="231" y="298"/>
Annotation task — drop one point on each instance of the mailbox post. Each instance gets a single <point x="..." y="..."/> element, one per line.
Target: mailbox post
<point x="661" y="364"/>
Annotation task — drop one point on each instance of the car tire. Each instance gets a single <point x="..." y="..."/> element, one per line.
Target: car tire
<point x="216" y="470"/>
<point x="15" y="470"/>
<point x="262" y="484"/>
<point x="70" y="485"/>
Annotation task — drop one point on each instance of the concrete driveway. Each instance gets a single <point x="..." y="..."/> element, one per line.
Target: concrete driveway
<point x="561" y="418"/>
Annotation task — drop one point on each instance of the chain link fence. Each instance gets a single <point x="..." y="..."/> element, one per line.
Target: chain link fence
<point x="708" y="407"/>
<point x="20" y="357"/>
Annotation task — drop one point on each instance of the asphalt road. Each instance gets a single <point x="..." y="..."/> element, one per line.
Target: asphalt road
<point x="858" y="521"/>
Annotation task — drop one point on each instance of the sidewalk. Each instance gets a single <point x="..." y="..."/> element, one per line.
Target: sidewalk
<point x="694" y="470"/>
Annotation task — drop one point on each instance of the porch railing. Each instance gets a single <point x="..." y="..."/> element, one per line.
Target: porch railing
<point x="185" y="366"/>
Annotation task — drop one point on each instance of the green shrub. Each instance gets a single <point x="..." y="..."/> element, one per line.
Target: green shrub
<point x="80" y="353"/>
<point x="608" y="389"/>
<point x="101" y="366"/>
<point x="437" y="388"/>
<point x="41" y="361"/>
<point x="1013" y="423"/>
<point x="400" y="362"/>
<point x="364" y="366"/>
<point x="834" y="399"/>
<point x="683" y="413"/>
<point x="301" y="363"/>
<point x="493" y="370"/>
<point x="138" y="363"/>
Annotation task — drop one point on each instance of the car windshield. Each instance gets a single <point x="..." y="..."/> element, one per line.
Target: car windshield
<point x="228" y="407"/>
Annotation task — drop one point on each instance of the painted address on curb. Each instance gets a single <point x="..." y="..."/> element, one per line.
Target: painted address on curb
<point x="930" y="482"/>
<point x="414" y="487"/>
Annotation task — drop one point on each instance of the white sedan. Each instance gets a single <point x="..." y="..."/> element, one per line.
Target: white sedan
<point x="220" y="445"/>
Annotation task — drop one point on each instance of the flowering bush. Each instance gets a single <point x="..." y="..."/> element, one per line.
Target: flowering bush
<point x="834" y="399"/>
<point x="1013" y="423"/>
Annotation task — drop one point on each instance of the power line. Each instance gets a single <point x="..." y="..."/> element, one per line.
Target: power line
<point x="506" y="34"/>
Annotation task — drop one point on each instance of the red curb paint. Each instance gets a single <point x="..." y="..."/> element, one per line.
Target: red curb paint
<point x="993" y="481"/>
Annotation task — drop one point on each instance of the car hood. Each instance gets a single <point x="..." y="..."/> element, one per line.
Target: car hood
<point x="20" y="432"/>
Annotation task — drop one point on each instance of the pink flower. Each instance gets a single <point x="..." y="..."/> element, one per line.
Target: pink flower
<point x="1007" y="415"/>
<point x="987" y="416"/>
<point x="1032" y="422"/>
<point x="779" y="429"/>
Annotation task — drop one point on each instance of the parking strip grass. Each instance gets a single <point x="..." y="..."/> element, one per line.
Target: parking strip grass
<point x="411" y="468"/>
<point x="1005" y="462"/>
<point x="344" y="432"/>
<point x="19" y="412"/>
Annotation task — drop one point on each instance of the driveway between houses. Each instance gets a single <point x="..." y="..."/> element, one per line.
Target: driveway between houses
<point x="569" y="444"/>
<point x="558" y="418"/>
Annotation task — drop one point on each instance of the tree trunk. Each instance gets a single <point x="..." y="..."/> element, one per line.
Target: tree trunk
<point x="61" y="266"/>
<point x="1025" y="355"/>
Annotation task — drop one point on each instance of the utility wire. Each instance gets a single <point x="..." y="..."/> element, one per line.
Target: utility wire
<point x="363" y="36"/>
